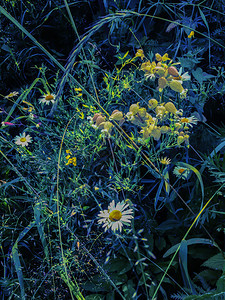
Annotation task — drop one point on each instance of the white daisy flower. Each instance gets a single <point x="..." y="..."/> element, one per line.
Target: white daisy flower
<point x="13" y="94"/>
<point x="189" y="121"/>
<point x="47" y="98"/>
<point x="23" y="139"/>
<point x="116" y="216"/>
<point x="181" y="172"/>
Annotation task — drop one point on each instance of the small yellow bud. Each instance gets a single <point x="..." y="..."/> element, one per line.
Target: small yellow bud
<point x="170" y="107"/>
<point x="165" y="129"/>
<point x="116" y="115"/>
<point x="191" y="34"/>
<point x="152" y="103"/>
<point x="108" y="126"/>
<point x="160" y="71"/>
<point x="180" y="140"/>
<point x="176" y="86"/>
<point x="160" y="110"/>
<point x="158" y="57"/>
<point x="156" y="133"/>
<point x="142" y="112"/>
<point x="134" y="108"/>
<point x="140" y="54"/>
<point x="162" y="82"/>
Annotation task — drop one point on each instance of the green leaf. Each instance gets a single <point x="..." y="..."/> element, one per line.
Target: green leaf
<point x="215" y="262"/>
<point x="197" y="173"/>
<point x="183" y="264"/>
<point x="95" y="297"/>
<point x="119" y="265"/>
<point x="193" y="241"/>
<point x="16" y="259"/>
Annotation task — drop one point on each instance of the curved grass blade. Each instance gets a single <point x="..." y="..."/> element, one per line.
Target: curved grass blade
<point x="16" y="259"/>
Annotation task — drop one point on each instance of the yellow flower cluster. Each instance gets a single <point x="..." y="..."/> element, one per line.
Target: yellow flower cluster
<point x="164" y="119"/>
<point x="167" y="74"/>
<point x="70" y="160"/>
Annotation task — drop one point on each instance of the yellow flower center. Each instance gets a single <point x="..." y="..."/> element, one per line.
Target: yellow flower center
<point x="23" y="139"/>
<point x="115" y="215"/>
<point x="49" y="97"/>
<point x="181" y="170"/>
<point x="184" y="120"/>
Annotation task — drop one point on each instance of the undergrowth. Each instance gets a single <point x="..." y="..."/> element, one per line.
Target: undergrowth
<point x="112" y="173"/>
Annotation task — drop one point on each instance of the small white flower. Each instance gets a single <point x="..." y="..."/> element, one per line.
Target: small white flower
<point x="149" y="76"/>
<point x="189" y="121"/>
<point x="116" y="216"/>
<point x="23" y="139"/>
<point x="181" y="172"/>
<point x="47" y="99"/>
<point x="13" y="94"/>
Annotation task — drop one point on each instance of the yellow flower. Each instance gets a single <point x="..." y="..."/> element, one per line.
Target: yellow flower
<point x="191" y="34"/>
<point x="77" y="89"/>
<point x="72" y="160"/>
<point x="170" y="107"/>
<point x="140" y="54"/>
<point x="165" y="160"/>
<point x="176" y="86"/>
<point x="152" y="103"/>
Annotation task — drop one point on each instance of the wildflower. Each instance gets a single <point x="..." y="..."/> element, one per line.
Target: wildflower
<point x="191" y="34"/>
<point x="116" y="216"/>
<point x="181" y="172"/>
<point x="176" y="86"/>
<point x="77" y="89"/>
<point x="189" y="121"/>
<point x="47" y="98"/>
<point x="72" y="160"/>
<point x="134" y="108"/>
<point x="173" y="71"/>
<point x="140" y="54"/>
<point x="165" y="161"/>
<point x="149" y="76"/>
<point x="7" y="123"/>
<point x="162" y="82"/>
<point x="13" y="94"/>
<point x="170" y="107"/>
<point x="23" y="139"/>
<point x="116" y="115"/>
<point x="152" y="103"/>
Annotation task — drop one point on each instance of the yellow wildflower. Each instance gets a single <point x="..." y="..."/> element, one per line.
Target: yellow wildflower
<point x="191" y="34"/>
<point x="140" y="54"/>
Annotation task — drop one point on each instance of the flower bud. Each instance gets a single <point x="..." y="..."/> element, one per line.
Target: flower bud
<point x="134" y="108"/>
<point x="160" y="71"/>
<point x="96" y="116"/>
<point x="165" y="129"/>
<point x="116" y="115"/>
<point x="170" y="107"/>
<point x="173" y="71"/>
<point x="142" y="112"/>
<point x="162" y="82"/>
<point x="158" y="57"/>
<point x="152" y="103"/>
<point x="99" y="120"/>
<point x="108" y="126"/>
<point x="176" y="86"/>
